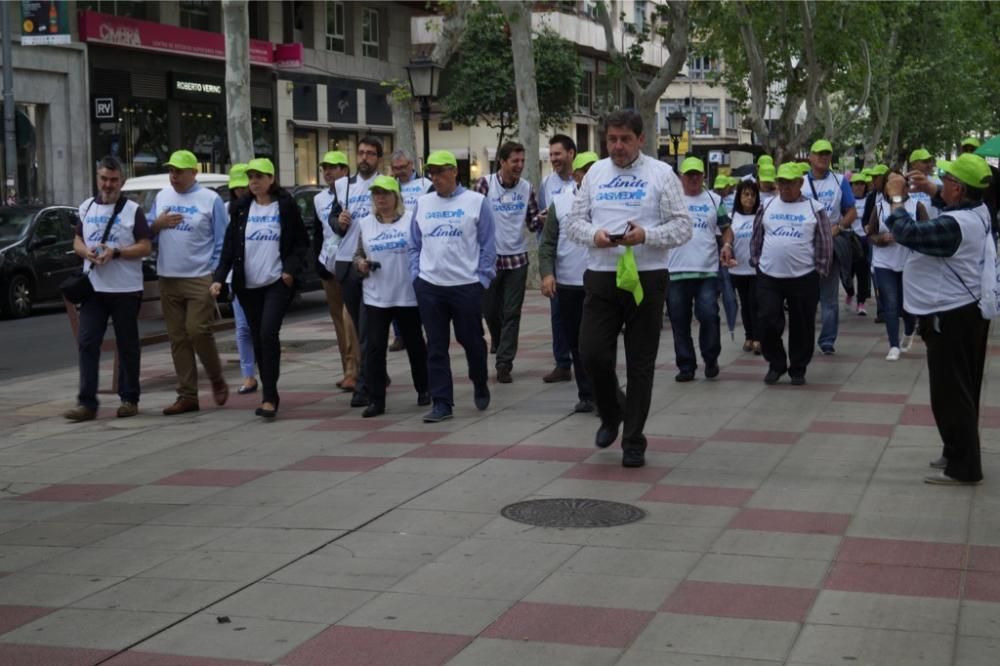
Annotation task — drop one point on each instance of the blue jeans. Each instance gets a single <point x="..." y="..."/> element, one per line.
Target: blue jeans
<point x="244" y="340"/>
<point x="829" y="295"/>
<point x="705" y="295"/>
<point x="890" y="288"/>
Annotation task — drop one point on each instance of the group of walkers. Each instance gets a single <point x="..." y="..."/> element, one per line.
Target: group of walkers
<point x="620" y="239"/>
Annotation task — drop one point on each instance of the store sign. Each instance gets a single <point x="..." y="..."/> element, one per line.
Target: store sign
<point x="97" y="28"/>
<point x="288" y="56"/>
<point x="44" y="22"/>
<point x="183" y="86"/>
<point x="104" y="108"/>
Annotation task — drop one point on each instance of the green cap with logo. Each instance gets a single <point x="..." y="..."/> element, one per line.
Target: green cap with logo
<point x="970" y="169"/>
<point x="183" y="159"/>
<point x="583" y="159"/>
<point x="722" y="181"/>
<point x="878" y="170"/>
<point x="765" y="159"/>
<point x="766" y="173"/>
<point x="821" y="146"/>
<point x="387" y="183"/>
<point x="692" y="164"/>
<point x="970" y="141"/>
<point x="789" y="171"/>
<point x="920" y="155"/>
<point x="860" y="177"/>
<point x="442" y="158"/>
<point x="261" y="165"/>
<point x="334" y="158"/>
<point x="238" y="176"/>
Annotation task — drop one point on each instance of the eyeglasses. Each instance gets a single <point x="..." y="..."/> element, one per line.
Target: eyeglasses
<point x="367" y="153"/>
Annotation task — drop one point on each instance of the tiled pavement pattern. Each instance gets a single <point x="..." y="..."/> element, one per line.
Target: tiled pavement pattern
<point x="785" y="525"/>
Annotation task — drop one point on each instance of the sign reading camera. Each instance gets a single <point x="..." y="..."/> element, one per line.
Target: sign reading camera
<point x="183" y="86"/>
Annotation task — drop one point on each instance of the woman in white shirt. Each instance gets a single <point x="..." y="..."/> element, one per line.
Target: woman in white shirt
<point x="265" y="247"/>
<point x="744" y="276"/>
<point x="382" y="259"/>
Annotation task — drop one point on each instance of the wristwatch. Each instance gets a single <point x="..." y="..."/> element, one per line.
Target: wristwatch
<point x="897" y="199"/>
<point x="117" y="253"/>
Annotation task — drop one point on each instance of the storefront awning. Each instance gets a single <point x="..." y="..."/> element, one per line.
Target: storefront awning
<point x="316" y="124"/>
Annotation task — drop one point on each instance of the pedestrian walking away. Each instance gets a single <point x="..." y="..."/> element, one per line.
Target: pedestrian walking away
<point x="112" y="238"/>
<point x="189" y="225"/>
<point x="942" y="286"/>
<point x="326" y="240"/>
<point x="792" y="247"/>
<point x="265" y="247"/>
<point x="452" y="258"/>
<point x="694" y="274"/>
<point x="561" y="265"/>
<point x="382" y="260"/>
<point x="629" y="211"/>
<point x="512" y="202"/>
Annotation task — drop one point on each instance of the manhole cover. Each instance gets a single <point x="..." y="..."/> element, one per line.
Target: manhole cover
<point x="295" y="346"/>
<point x="571" y="512"/>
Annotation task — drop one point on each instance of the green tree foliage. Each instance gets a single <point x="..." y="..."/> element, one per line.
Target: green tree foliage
<point x="480" y="77"/>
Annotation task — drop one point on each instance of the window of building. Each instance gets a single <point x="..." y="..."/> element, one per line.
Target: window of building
<point x="608" y="89"/>
<point x="194" y="14"/>
<point x="335" y="27"/>
<point x="639" y="15"/>
<point x="369" y="32"/>
<point x="732" y="120"/>
<point x="582" y="137"/>
<point x="257" y="18"/>
<point x="702" y="67"/>
<point x="707" y="117"/>
<point x="131" y="8"/>
<point x="585" y="97"/>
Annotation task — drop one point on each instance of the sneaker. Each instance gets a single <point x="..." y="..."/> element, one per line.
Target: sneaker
<point x="827" y="350"/>
<point x="633" y="458"/>
<point x="907" y="343"/>
<point x="893" y="354"/>
<point x="440" y="412"/>
<point x="481" y="397"/>
<point x="940" y="463"/>
<point x="712" y="370"/>
<point x="80" y="413"/>
<point x="861" y="310"/>
<point x="558" y="375"/>
<point x="127" y="409"/>
<point x="684" y="376"/>
<point x="583" y="407"/>
<point x="942" y="479"/>
<point x="503" y="376"/>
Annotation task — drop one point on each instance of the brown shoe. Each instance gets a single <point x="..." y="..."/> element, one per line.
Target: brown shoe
<point x="127" y="409"/>
<point x="756" y="348"/>
<point x="220" y="391"/>
<point x="748" y="346"/>
<point x="180" y="406"/>
<point x="397" y="345"/>
<point x="558" y="375"/>
<point x="347" y="384"/>
<point x="80" y="413"/>
<point x="503" y="376"/>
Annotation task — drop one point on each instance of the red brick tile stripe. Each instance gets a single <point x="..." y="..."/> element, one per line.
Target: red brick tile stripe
<point x="350" y="646"/>
<point x="758" y="602"/>
<point x="573" y="625"/>
<point x="803" y="522"/>
<point x="76" y="492"/>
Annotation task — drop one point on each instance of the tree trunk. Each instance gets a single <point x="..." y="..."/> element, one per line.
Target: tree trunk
<point x="236" y="27"/>
<point x="406" y="133"/>
<point x="518" y="16"/>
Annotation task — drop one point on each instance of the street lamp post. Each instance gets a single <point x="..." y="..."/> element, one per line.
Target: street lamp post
<point x="675" y="127"/>
<point x="424" y="75"/>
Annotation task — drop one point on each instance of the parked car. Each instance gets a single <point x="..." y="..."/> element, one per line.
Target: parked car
<point x="36" y="255"/>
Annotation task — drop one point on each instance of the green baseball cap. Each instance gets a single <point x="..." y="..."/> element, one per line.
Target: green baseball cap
<point x="860" y="177"/>
<point x="765" y="159"/>
<point x="878" y="170"/>
<point x="261" y="165"/>
<point x="821" y="146"/>
<point x="442" y="158"/>
<point x="969" y="168"/>
<point x="970" y="141"/>
<point x="238" y="176"/>
<point x="387" y="183"/>
<point x="692" y="164"/>
<point x="804" y="167"/>
<point x="766" y="173"/>
<point x="334" y="158"/>
<point x="183" y="159"/>
<point x="722" y="181"/>
<point x="920" y="154"/>
<point x="583" y="159"/>
<point x="789" y="171"/>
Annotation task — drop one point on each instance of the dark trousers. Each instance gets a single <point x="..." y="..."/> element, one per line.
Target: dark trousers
<point x="956" y="355"/>
<point x="861" y="272"/>
<point x="802" y="295"/>
<point x="379" y="322"/>
<point x="440" y="308"/>
<point x="704" y="294"/>
<point x="570" y="301"/>
<point x="606" y="310"/>
<point x="502" y="304"/>
<point x="746" y="287"/>
<point x="124" y="312"/>
<point x="560" y="345"/>
<point x="350" y="287"/>
<point x="265" y="310"/>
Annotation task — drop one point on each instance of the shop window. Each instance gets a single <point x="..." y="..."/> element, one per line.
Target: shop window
<point x="204" y="133"/>
<point x="306" y="157"/>
<point x="304" y="105"/>
<point x="138" y="139"/>
<point x="194" y="14"/>
<point x="370" y="33"/>
<point x="336" y="32"/>
<point x="377" y="109"/>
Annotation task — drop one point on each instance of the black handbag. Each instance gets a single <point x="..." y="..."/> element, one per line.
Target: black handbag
<point x="78" y="288"/>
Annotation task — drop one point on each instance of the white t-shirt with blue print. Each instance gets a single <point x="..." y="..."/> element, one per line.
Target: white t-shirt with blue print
<point x="262" y="259"/>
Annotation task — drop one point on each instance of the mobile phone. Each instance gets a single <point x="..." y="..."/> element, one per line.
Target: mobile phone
<point x="374" y="266"/>
<point x="615" y="238"/>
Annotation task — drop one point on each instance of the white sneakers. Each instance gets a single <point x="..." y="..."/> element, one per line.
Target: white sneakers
<point x="907" y="343"/>
<point x="893" y="354"/>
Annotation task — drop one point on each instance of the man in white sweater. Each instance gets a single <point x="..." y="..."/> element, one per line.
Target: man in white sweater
<point x="627" y="201"/>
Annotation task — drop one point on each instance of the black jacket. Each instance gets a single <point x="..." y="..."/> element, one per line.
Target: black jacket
<point x="293" y="246"/>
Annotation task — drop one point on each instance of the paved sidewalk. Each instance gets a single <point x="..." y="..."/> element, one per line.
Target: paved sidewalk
<point x="785" y="525"/>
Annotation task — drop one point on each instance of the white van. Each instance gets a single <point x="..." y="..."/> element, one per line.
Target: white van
<point x="143" y="189"/>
